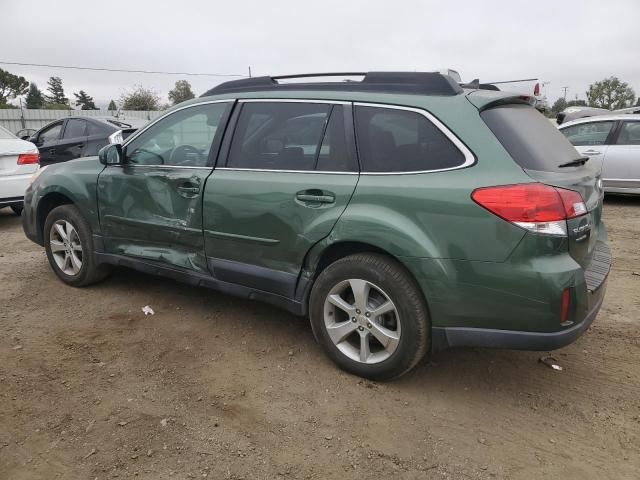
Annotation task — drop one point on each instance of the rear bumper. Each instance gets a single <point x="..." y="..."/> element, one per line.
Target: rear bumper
<point x="7" y="202"/>
<point x="12" y="186"/>
<point x="448" y="337"/>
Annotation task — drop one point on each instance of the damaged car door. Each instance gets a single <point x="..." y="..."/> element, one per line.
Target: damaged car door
<point x="151" y="205"/>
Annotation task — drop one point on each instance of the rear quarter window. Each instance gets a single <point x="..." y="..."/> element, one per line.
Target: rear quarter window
<point x="531" y="140"/>
<point x="396" y="140"/>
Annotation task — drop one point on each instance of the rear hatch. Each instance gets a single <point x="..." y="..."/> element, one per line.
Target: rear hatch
<point x="547" y="157"/>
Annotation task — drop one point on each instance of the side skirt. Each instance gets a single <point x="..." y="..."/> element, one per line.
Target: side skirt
<point x="200" y="280"/>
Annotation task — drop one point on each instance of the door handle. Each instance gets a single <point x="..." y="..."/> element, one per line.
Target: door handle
<point x="188" y="189"/>
<point x="591" y="152"/>
<point x="315" y="196"/>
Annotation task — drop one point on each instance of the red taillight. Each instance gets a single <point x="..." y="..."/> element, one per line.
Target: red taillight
<point x="573" y="204"/>
<point x="566" y="305"/>
<point x="28" y="158"/>
<point x="530" y="202"/>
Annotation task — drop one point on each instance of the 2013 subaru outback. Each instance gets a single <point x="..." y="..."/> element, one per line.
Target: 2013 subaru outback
<point x="401" y="213"/>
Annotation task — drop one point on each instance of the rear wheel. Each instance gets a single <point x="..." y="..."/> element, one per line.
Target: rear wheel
<point x="17" y="209"/>
<point x="370" y="316"/>
<point x="69" y="247"/>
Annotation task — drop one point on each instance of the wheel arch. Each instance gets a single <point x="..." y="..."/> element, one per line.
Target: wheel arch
<point x="46" y="204"/>
<point x="325" y="253"/>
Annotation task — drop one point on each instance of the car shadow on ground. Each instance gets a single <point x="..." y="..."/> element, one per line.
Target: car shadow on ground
<point x="8" y="219"/>
<point x="622" y="200"/>
<point x="458" y="371"/>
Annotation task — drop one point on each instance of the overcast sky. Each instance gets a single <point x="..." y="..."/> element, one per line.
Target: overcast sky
<point x="564" y="42"/>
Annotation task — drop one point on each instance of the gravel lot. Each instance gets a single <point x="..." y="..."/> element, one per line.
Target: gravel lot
<point x="213" y="386"/>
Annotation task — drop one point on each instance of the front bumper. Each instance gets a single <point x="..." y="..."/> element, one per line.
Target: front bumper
<point x="29" y="220"/>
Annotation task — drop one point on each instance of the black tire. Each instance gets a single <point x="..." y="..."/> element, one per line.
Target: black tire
<point x="89" y="272"/>
<point x="401" y="288"/>
<point x="17" y="209"/>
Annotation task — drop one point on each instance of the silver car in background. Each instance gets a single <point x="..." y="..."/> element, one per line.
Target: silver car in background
<point x="613" y="143"/>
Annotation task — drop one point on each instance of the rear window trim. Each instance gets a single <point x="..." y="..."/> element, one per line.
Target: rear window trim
<point x="469" y="157"/>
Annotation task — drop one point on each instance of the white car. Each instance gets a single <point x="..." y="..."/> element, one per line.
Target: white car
<point x="19" y="160"/>
<point x="613" y="143"/>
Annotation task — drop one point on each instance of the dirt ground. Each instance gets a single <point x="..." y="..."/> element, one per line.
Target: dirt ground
<point x="217" y="387"/>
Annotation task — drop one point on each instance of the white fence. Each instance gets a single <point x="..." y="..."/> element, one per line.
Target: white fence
<point x="17" y="119"/>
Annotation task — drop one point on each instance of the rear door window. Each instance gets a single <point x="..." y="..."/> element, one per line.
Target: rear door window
<point x="396" y="140"/>
<point x="590" y="133"/>
<point x="50" y="134"/>
<point x="75" y="128"/>
<point x="95" y="129"/>
<point x="529" y="137"/>
<point x="278" y="135"/>
<point x="629" y="134"/>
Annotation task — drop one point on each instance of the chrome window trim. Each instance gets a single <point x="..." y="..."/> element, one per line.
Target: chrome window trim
<point x="131" y="165"/>
<point x="292" y="100"/>
<point x="285" y="171"/>
<point x="469" y="157"/>
<point x="167" y="114"/>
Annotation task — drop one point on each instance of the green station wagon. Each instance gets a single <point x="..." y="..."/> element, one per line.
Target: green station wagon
<point x="402" y="213"/>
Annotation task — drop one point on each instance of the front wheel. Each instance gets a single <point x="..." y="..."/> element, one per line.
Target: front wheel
<point x="17" y="209"/>
<point x="69" y="247"/>
<point x="370" y="317"/>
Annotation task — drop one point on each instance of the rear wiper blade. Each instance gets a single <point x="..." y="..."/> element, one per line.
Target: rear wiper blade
<point x="575" y="163"/>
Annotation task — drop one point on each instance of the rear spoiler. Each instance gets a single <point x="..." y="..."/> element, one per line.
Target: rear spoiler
<point x="476" y="85"/>
<point x="484" y="99"/>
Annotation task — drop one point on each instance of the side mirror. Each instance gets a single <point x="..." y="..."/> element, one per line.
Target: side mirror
<point x="26" y="137"/>
<point x="111" y="154"/>
<point x="33" y="140"/>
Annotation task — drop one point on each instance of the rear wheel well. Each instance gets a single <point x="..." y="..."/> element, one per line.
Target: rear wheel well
<point x="340" y="250"/>
<point x="46" y="204"/>
<point x="344" y="249"/>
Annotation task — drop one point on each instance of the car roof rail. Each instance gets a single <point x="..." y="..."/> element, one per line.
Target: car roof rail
<point x="422" y="83"/>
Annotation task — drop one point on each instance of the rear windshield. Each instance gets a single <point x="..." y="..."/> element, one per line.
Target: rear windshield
<point x="529" y="137"/>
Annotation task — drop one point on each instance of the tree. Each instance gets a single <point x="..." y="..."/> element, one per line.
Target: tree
<point x="84" y="101"/>
<point x="181" y="92"/>
<point x="559" y="105"/>
<point x="56" y="92"/>
<point x="576" y="103"/>
<point x="56" y="106"/>
<point x="112" y="106"/>
<point x="11" y="86"/>
<point x="140" y="98"/>
<point x="610" y="93"/>
<point x="34" y="99"/>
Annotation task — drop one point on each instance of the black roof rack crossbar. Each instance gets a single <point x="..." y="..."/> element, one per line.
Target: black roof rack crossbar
<point x="421" y="83"/>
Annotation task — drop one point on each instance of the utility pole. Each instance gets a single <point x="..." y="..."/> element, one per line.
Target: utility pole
<point x="249" y="71"/>
<point x="565" y="92"/>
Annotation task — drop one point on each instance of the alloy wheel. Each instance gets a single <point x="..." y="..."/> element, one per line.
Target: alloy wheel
<point x="362" y="321"/>
<point x="66" y="248"/>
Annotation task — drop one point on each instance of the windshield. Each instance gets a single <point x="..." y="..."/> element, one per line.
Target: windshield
<point x="6" y="134"/>
<point x="532" y="140"/>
